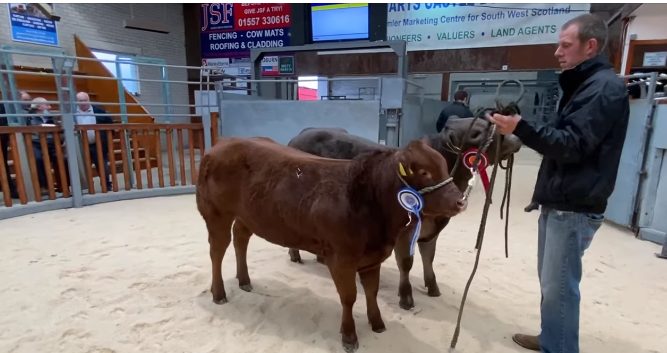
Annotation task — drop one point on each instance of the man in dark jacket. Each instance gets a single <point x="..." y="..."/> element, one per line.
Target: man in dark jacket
<point x="456" y="108"/>
<point x="581" y="150"/>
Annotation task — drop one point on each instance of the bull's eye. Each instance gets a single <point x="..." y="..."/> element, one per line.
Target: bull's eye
<point x="424" y="173"/>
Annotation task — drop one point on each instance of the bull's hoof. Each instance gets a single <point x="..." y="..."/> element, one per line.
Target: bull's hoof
<point x="350" y="344"/>
<point x="220" y="301"/>
<point x="294" y="256"/>
<point x="433" y="291"/>
<point x="379" y="328"/>
<point x="407" y="303"/>
<point x="246" y="287"/>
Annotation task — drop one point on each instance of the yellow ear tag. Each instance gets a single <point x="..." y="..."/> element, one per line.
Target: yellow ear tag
<point x="401" y="169"/>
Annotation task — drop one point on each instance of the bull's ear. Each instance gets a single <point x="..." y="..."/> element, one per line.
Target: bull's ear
<point x="405" y="167"/>
<point x="401" y="169"/>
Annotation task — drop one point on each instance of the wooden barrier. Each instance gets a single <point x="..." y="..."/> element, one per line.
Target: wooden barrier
<point x="150" y="168"/>
<point x="55" y="171"/>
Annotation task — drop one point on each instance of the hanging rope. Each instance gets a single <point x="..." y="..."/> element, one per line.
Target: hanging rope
<point x="511" y="109"/>
<point x="506" y="196"/>
<point x="480" y="235"/>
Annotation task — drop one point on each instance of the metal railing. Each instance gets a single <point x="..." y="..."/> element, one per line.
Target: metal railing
<point x="62" y="162"/>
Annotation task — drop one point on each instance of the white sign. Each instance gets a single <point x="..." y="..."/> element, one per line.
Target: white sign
<point x="227" y="66"/>
<point x="658" y="58"/>
<point x="431" y="26"/>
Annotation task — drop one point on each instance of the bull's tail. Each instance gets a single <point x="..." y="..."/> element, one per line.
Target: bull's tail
<point x="201" y="191"/>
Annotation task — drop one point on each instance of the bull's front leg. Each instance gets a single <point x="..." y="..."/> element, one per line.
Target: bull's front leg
<point x="294" y="255"/>
<point x="370" y="279"/>
<point x="344" y="276"/>
<point x="427" y="252"/>
<point x="404" y="261"/>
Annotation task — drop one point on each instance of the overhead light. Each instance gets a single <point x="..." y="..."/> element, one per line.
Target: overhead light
<point x="356" y="51"/>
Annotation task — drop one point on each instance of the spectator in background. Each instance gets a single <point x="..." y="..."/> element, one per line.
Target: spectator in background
<point x="86" y="114"/>
<point x="458" y="108"/>
<point x="42" y="117"/>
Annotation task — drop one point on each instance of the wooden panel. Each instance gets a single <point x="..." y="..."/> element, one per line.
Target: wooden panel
<point x="4" y="178"/>
<point x="526" y="57"/>
<point x="637" y="50"/>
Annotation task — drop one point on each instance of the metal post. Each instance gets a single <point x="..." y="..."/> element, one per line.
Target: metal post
<point x="643" y="173"/>
<point x="11" y="89"/>
<point x="393" y="120"/>
<point x="122" y="105"/>
<point x="166" y="94"/>
<point x="63" y="68"/>
<point x="663" y="254"/>
<point x="25" y="170"/>
<point x="206" y="123"/>
<point x="218" y="93"/>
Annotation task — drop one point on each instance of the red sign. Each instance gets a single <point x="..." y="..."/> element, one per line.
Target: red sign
<point x="261" y="16"/>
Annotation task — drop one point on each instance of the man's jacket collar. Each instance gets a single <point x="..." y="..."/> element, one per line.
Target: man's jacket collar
<point x="571" y="79"/>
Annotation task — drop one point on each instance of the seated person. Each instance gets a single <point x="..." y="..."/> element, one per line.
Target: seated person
<point x="88" y="114"/>
<point x="41" y="106"/>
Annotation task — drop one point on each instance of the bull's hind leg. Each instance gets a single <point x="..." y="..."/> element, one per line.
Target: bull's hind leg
<point x="370" y="279"/>
<point x="219" y="236"/>
<point x="241" y="238"/>
<point x="427" y="252"/>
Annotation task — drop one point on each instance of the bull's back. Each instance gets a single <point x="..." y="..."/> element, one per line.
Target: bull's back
<point x="260" y="179"/>
<point x="333" y="143"/>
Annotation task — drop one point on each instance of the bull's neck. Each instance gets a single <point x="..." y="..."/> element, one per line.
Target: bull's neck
<point x="437" y="141"/>
<point x="462" y="175"/>
<point x="394" y="216"/>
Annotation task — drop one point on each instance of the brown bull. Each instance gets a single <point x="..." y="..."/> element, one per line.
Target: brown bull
<point x="343" y="210"/>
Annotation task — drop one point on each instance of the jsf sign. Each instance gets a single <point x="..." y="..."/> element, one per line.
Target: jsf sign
<point x="231" y="30"/>
<point x="217" y="16"/>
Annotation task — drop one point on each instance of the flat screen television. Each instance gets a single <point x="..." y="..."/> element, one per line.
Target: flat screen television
<point x="339" y="22"/>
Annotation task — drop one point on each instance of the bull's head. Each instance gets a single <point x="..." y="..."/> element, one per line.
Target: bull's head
<point x="425" y="170"/>
<point x="456" y="135"/>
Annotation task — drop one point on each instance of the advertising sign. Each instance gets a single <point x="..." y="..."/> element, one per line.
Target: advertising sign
<point x="431" y="26"/>
<point x="31" y="23"/>
<point x="231" y="30"/>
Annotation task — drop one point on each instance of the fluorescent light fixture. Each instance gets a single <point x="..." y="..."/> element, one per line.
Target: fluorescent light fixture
<point x="356" y="51"/>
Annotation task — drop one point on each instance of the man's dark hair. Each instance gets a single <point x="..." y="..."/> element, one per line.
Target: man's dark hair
<point x="460" y="95"/>
<point x="590" y="26"/>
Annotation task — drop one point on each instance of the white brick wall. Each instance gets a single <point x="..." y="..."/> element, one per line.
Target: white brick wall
<point x="100" y="26"/>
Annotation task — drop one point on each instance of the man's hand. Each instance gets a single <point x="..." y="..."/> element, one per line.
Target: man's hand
<point x="505" y="124"/>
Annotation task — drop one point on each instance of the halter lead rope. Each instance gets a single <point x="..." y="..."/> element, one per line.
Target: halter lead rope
<point x="511" y="109"/>
<point x="480" y="237"/>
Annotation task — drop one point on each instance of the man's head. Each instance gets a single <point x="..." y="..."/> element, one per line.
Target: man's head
<point x="580" y="39"/>
<point x="461" y="96"/>
<point x="83" y="100"/>
<point x="40" y="105"/>
<point x="26" y="98"/>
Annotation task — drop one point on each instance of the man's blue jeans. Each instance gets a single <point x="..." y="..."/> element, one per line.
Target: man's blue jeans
<point x="563" y="238"/>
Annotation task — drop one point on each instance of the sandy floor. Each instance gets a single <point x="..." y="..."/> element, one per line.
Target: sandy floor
<point x="83" y="281"/>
